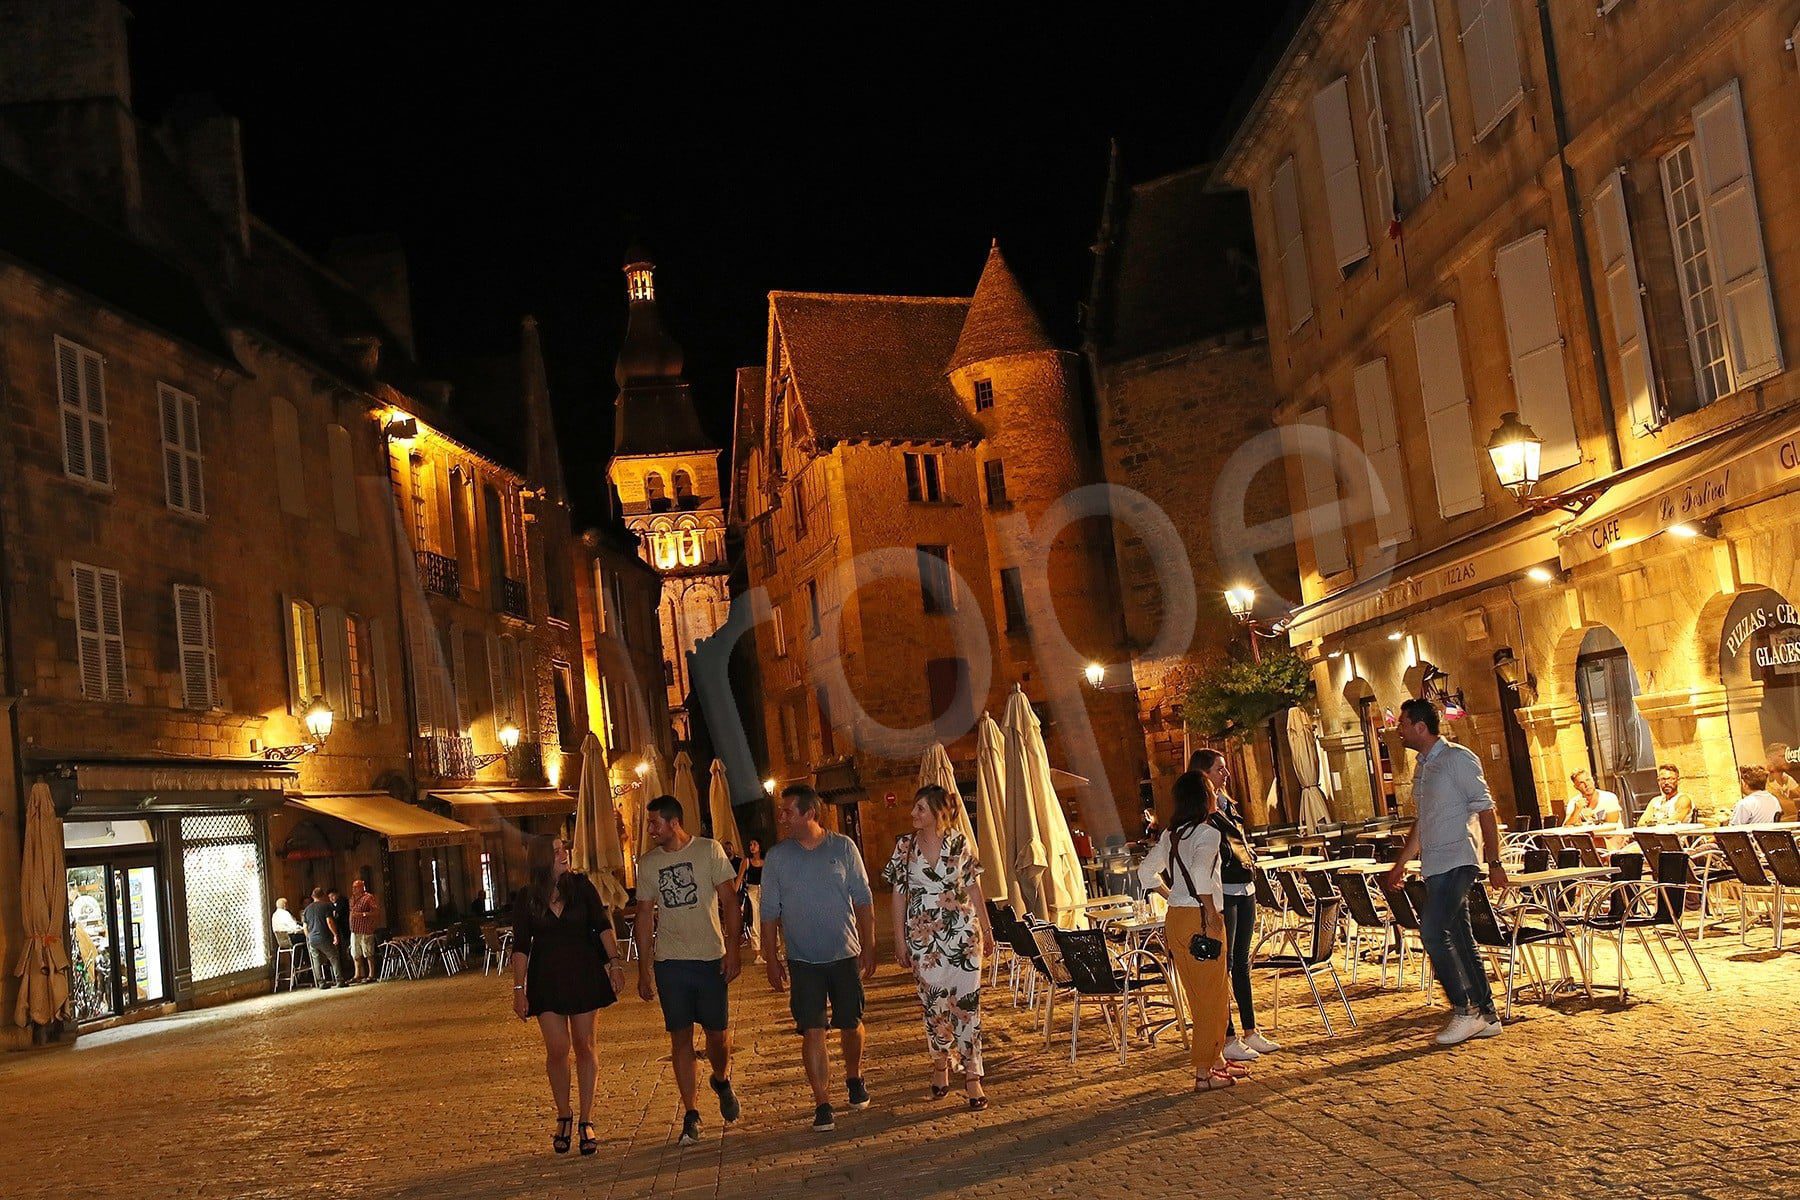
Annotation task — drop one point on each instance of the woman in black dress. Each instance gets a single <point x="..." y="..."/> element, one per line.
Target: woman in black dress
<point x="566" y="965"/>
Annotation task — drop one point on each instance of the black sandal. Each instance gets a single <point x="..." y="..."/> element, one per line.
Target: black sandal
<point x="560" y="1140"/>
<point x="976" y="1103"/>
<point x="937" y="1092"/>
<point x="589" y="1143"/>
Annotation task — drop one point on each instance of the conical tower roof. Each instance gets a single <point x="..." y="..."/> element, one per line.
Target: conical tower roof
<point x="1001" y="320"/>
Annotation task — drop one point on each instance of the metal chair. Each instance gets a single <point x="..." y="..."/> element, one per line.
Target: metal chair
<point x="1314" y="960"/>
<point x="1404" y="905"/>
<point x="1359" y="903"/>
<point x="1115" y="984"/>
<point x="1783" y="856"/>
<point x="494" y="956"/>
<point x="1055" y="974"/>
<point x="1644" y="908"/>
<point x="1496" y="935"/>
<point x="299" y="962"/>
<point x="1746" y="864"/>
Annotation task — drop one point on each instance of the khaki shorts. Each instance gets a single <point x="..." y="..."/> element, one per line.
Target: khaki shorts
<point x="362" y="945"/>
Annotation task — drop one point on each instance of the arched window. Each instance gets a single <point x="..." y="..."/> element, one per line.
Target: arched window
<point x="684" y="486"/>
<point x="653" y="487"/>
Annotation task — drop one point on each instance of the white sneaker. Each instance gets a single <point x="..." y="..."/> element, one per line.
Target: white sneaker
<point x="1237" y="1051"/>
<point x="1492" y="1028"/>
<point x="1262" y="1045"/>
<point x="1461" y="1028"/>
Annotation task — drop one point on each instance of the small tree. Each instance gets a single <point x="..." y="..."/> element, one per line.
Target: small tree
<point x="1233" y="696"/>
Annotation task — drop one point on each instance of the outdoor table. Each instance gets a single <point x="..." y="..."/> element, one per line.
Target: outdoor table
<point x="1139" y="930"/>
<point x="1290" y="862"/>
<point x="1364" y="866"/>
<point x="1339" y="864"/>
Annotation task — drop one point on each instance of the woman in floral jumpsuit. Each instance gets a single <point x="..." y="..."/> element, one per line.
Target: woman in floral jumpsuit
<point x="941" y="934"/>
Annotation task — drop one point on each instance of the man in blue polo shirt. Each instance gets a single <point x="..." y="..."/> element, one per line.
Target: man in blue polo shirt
<point x="1449" y="791"/>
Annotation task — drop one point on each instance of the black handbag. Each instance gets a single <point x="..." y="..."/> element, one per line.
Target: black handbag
<point x="1236" y="857"/>
<point x="1202" y="947"/>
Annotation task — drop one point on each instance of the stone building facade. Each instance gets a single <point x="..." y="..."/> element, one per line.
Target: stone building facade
<point x="1175" y="334"/>
<point x="898" y="464"/>
<point x="214" y="528"/>
<point x="1579" y="214"/>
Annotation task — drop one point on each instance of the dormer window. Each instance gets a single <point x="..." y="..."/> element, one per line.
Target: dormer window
<point x="639" y="284"/>
<point x="984" y="394"/>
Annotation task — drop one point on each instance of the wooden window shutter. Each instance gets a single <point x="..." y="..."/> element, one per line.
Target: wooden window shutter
<point x="1343" y="184"/>
<point x="1734" y="233"/>
<point x="1625" y="302"/>
<point x="1381" y="446"/>
<point x="81" y="398"/>
<point x="1447" y="422"/>
<point x="378" y="668"/>
<point x="459" y="679"/>
<point x="1433" y="94"/>
<point x="496" y="684"/>
<point x="183" y="487"/>
<point x="290" y="471"/>
<point x="1381" y="170"/>
<point x="1290" y="245"/>
<point x="334" y="658"/>
<point x="1535" y="343"/>
<point x="1323" y="517"/>
<point x="343" y="478"/>
<point x="196" y="647"/>
<point x="1491" y="57"/>
<point x="90" y="637"/>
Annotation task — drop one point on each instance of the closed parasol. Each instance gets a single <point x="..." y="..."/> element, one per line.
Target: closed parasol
<point x="990" y="814"/>
<point x="596" y="852"/>
<point x="43" y="967"/>
<point x="724" y="820"/>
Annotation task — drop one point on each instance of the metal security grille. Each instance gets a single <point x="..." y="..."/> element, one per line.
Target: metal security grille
<point x="226" y="930"/>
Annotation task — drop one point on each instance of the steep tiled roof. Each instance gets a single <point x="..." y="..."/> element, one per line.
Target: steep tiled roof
<point x="749" y="397"/>
<point x="1182" y="270"/>
<point x="1001" y="320"/>
<point x="872" y="368"/>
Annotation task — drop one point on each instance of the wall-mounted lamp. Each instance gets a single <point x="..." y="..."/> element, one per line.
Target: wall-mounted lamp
<point x="1708" y="528"/>
<point x="401" y="429"/>
<point x="508" y="737"/>
<point x="1517" y="453"/>
<point x="318" y="719"/>
<point x="769" y="785"/>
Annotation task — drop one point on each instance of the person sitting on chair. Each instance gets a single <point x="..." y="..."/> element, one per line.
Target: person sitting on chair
<point x="1672" y="806"/>
<point x="1759" y="806"/>
<point x="1592" y="806"/>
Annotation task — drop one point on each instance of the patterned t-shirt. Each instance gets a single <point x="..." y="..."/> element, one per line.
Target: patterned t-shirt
<point x="683" y="885"/>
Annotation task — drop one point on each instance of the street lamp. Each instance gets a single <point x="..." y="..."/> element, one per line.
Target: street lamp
<point x="317" y="718"/>
<point x="508" y="737"/>
<point x="1241" y="600"/>
<point x="1095" y="673"/>
<point x="769" y="785"/>
<point x="1517" y="453"/>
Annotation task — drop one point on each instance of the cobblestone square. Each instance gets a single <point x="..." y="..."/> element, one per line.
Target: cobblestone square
<point x="430" y="1088"/>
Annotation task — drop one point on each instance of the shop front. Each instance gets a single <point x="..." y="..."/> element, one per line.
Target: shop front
<point x="495" y="866"/>
<point x="167" y="871"/>
<point x="415" y="860"/>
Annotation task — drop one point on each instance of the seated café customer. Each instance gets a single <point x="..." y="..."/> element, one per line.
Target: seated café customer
<point x="1782" y="784"/>
<point x="1672" y="806"/>
<point x="1758" y="807"/>
<point x="283" y="922"/>
<point x="1591" y="806"/>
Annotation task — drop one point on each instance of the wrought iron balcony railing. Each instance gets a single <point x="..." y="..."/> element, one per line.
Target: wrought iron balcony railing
<point x="439" y="574"/>
<point x="513" y="601"/>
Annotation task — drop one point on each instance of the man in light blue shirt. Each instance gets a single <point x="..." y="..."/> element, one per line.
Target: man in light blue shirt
<point x="1448" y="792"/>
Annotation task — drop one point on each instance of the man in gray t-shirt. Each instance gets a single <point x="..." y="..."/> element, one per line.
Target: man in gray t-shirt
<point x="815" y="896"/>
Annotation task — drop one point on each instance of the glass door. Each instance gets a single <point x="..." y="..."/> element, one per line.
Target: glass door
<point x="115" y="938"/>
<point x="140" y="927"/>
<point x="92" y="990"/>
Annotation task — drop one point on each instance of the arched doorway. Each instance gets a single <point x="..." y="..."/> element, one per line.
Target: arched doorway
<point x="1759" y="665"/>
<point x="1618" y="739"/>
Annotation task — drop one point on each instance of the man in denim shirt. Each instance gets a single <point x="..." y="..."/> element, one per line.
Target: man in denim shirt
<point x="1449" y="789"/>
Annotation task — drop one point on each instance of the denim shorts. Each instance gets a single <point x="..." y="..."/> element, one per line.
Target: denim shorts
<point x="693" y="992"/>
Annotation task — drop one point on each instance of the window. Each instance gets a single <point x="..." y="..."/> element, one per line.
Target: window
<point x="934" y="579"/>
<point x="1439" y="352"/>
<point x="603" y="621"/>
<point x="1323" y="520"/>
<point x="81" y="395"/>
<point x="827" y="737"/>
<point x="995" y="472"/>
<point x="1625" y="302"/>
<point x="668" y="672"/>
<point x="1436" y="143"/>
<point x="343" y="478"/>
<point x="423" y="495"/>
<point x="290" y="477"/>
<point x="621" y="614"/>
<point x="780" y="630"/>
<point x="306" y="674"/>
<point x="1535" y="343"/>
<point x="653" y="488"/>
<point x="1381" y="449"/>
<point x="765" y="533"/>
<point x="684" y="487"/>
<point x="562" y="679"/>
<point x="1343" y="184"/>
<point x="1381" y="172"/>
<point x="950" y="696"/>
<point x="357" y="678"/>
<point x="1491" y="57"/>
<point x="610" y="733"/>
<point x="797" y="499"/>
<point x="984" y="394"/>
<point x="1290" y="245"/>
<point x="183" y="487"/>
<point x="1699" y="297"/>
<point x="196" y="647"/>
<point x="790" y="735"/>
<point x="814" y="626"/>
<point x="922" y="478"/>
<point x="1012" y="596"/>
<point x="99" y="632"/>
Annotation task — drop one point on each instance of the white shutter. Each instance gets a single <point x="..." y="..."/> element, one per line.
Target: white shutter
<point x="1433" y="95"/>
<point x="1624" y="295"/>
<point x="1491" y="57"/>
<point x="1734" y="233"/>
<point x="1540" y="377"/>
<point x="1343" y="186"/>
<point x="1323" y="518"/>
<point x="293" y="654"/>
<point x="112" y="632"/>
<point x="459" y="679"/>
<point x="81" y="400"/>
<point x="334" y="658"/>
<point x="1447" y="424"/>
<point x="197" y="649"/>
<point x="290" y="476"/>
<point x="343" y="478"/>
<point x="496" y="684"/>
<point x="378" y="666"/>
<point x="1381" y="171"/>
<point x="183" y="486"/>
<point x="90" y="647"/>
<point x="1381" y="446"/>
<point x="1290" y="245"/>
<point x="93" y="400"/>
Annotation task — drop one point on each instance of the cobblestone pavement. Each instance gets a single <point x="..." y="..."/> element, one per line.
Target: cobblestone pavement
<point x="429" y="1088"/>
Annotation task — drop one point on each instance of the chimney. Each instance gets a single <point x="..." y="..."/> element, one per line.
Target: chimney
<point x="206" y="141"/>
<point x="376" y="267"/>
<point x="65" y="104"/>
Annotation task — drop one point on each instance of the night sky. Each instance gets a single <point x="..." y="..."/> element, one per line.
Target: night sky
<point x="515" y="155"/>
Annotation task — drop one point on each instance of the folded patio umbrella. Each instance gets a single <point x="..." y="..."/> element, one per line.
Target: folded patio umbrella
<point x="654" y="781"/>
<point x="43" y="967"/>
<point x="724" y="820"/>
<point x="1060" y="888"/>
<point x="596" y="852"/>
<point x="990" y="815"/>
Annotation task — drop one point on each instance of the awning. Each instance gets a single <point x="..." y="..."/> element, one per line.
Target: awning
<point x="1065" y="782"/>
<point x="99" y="785"/>
<point x="402" y="826"/>
<point x="839" y="782"/>
<point x="484" y="807"/>
<point x="1690" y="483"/>
<point x="1483" y="559"/>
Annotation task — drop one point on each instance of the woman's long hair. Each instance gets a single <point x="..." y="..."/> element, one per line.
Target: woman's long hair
<point x="1204" y="760"/>
<point x="543" y="883"/>
<point x="1193" y="802"/>
<point x="942" y="807"/>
